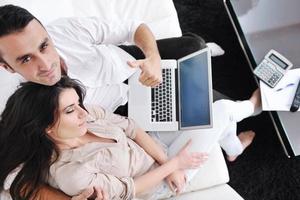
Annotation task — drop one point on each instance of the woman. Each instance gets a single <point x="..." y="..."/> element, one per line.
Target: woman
<point x="47" y="129"/>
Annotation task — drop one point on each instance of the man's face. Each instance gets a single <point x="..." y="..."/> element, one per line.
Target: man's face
<point x="31" y="54"/>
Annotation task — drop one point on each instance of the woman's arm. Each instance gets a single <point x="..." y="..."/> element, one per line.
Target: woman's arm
<point x="154" y="177"/>
<point x="150" y="146"/>
<point x="176" y="179"/>
<point x="183" y="160"/>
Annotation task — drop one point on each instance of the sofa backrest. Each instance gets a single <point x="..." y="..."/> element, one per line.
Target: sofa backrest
<point x="159" y="15"/>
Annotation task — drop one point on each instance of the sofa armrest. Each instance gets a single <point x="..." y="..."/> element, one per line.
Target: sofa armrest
<point x="213" y="172"/>
<point x="223" y="192"/>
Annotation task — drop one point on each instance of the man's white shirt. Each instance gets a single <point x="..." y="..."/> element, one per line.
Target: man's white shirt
<point x="89" y="46"/>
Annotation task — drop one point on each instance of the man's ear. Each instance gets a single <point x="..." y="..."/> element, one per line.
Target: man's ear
<point x="7" y="67"/>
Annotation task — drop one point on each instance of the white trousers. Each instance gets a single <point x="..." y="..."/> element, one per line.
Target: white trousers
<point x="226" y="114"/>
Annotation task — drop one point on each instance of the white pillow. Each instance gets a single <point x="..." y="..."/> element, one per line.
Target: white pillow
<point x="45" y="11"/>
<point x="161" y="16"/>
<point x="9" y="83"/>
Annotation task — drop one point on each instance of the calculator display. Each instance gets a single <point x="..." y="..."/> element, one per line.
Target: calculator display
<point x="278" y="61"/>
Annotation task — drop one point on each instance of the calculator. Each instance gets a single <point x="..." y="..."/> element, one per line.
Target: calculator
<point x="272" y="68"/>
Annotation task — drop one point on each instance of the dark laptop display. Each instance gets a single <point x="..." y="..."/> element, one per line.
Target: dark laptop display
<point x="195" y="106"/>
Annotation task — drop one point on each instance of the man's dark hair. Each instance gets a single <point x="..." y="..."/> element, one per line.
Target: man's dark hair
<point x="13" y="19"/>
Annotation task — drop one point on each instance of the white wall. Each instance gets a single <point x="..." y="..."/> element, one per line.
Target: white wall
<point x="269" y="14"/>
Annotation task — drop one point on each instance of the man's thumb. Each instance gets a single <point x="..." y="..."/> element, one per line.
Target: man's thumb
<point x="134" y="63"/>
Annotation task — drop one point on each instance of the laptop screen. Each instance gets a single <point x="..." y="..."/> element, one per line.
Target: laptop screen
<point x="195" y="90"/>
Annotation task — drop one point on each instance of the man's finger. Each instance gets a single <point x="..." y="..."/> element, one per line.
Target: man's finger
<point x="149" y="79"/>
<point x="134" y="63"/>
<point x="149" y="82"/>
<point x="155" y="83"/>
<point x="144" y="77"/>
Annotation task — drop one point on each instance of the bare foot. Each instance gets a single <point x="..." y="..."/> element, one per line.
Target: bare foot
<point x="256" y="98"/>
<point x="246" y="139"/>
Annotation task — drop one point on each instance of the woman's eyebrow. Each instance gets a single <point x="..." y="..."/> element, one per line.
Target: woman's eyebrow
<point x="68" y="106"/>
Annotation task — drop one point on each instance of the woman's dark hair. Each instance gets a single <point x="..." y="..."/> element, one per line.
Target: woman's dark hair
<point x="23" y="139"/>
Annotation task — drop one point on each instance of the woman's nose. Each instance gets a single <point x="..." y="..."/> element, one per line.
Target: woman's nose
<point x="82" y="112"/>
<point x="44" y="63"/>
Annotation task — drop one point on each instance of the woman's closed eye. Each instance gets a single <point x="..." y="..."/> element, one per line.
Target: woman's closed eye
<point x="68" y="111"/>
<point x="71" y="108"/>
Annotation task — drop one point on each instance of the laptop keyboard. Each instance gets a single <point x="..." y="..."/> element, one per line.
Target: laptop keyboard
<point x="161" y="98"/>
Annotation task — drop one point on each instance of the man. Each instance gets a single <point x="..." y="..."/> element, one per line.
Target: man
<point x="90" y="49"/>
<point x="32" y="54"/>
<point x="87" y="49"/>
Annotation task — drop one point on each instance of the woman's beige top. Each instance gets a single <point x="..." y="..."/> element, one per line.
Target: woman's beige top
<point x="108" y="165"/>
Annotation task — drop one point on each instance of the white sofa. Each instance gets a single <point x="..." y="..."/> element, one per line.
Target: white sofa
<point x="161" y="16"/>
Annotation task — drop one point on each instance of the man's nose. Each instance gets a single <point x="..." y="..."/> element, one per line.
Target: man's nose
<point x="44" y="63"/>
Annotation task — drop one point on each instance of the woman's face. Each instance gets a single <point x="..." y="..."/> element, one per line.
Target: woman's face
<point x="71" y="121"/>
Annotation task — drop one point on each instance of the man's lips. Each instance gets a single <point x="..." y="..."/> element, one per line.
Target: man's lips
<point x="50" y="72"/>
<point x="46" y="74"/>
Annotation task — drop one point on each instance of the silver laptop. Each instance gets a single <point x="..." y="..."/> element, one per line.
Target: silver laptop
<point x="182" y="101"/>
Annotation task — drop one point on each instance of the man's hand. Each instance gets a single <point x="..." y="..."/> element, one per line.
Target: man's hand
<point x="151" y="70"/>
<point x="92" y="193"/>
<point x="177" y="181"/>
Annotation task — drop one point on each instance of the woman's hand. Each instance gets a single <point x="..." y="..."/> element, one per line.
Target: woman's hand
<point x="186" y="160"/>
<point x="176" y="181"/>
<point x="92" y="193"/>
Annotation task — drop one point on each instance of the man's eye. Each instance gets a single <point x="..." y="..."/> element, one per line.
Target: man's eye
<point x="26" y="59"/>
<point x="44" y="46"/>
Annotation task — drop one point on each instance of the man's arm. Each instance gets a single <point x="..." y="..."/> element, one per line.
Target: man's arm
<point x="49" y="193"/>
<point x="150" y="66"/>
